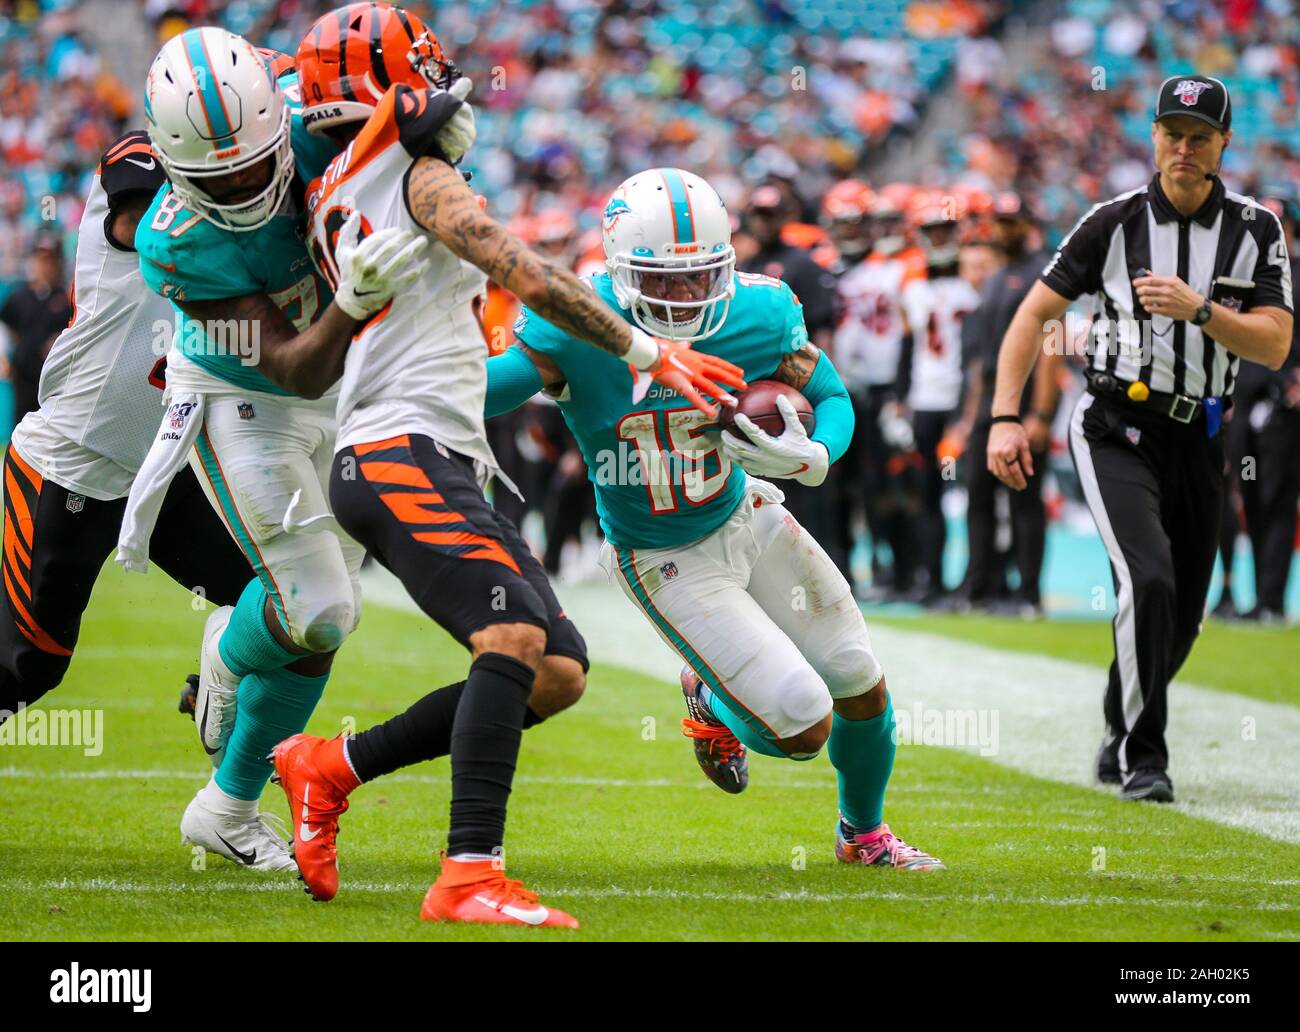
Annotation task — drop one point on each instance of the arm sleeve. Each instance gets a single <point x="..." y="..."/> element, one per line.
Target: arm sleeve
<point x="511" y="380"/>
<point x="831" y="407"/>
<point x="542" y="336"/>
<point x="1075" y="269"/>
<point x="1272" y="268"/>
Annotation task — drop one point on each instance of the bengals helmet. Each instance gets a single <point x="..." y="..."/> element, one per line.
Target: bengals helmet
<point x="846" y="212"/>
<point x="352" y="56"/>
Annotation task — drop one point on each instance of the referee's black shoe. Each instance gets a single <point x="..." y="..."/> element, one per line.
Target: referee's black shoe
<point x="1108" y="762"/>
<point x="1147" y="783"/>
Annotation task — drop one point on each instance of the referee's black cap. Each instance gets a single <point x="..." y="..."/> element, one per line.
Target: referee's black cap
<point x="1197" y="96"/>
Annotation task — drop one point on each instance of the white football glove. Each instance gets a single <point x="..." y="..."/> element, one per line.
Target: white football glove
<point x="895" y="428"/>
<point x="372" y="270"/>
<point x="792" y="455"/>
<point x="458" y="134"/>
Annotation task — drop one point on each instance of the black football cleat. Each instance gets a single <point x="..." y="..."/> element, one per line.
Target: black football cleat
<point x="1148" y="783"/>
<point x="718" y="752"/>
<point x="189" y="695"/>
<point x="1107" y="766"/>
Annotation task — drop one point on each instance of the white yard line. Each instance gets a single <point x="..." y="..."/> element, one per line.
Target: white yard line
<point x="1048" y="711"/>
<point x="619" y="892"/>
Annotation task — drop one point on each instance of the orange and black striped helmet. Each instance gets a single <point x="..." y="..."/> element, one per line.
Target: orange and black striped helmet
<point x="277" y="60"/>
<point x="351" y="56"/>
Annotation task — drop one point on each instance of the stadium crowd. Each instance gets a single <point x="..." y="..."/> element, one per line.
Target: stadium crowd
<point x="775" y="102"/>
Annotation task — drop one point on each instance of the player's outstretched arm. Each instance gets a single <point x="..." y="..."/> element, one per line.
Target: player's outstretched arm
<point x="440" y="201"/>
<point x="516" y="375"/>
<point x="307" y="364"/>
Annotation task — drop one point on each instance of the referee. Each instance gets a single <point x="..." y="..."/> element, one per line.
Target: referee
<point x="1187" y="279"/>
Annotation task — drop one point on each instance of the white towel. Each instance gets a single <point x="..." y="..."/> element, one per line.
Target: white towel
<point x="169" y="451"/>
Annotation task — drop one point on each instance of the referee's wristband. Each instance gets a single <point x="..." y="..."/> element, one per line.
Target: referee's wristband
<point x="1005" y="419"/>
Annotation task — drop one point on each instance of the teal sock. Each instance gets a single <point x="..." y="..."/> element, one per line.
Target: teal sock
<point x="862" y="753"/>
<point x="750" y="738"/>
<point x="273" y="704"/>
<point x="247" y="643"/>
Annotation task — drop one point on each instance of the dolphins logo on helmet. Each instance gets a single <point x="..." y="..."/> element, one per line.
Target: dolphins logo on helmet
<point x="667" y="239"/>
<point x="213" y="108"/>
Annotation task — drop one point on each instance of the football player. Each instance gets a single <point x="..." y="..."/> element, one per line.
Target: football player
<point x="224" y="242"/>
<point x="935" y="306"/>
<point x="412" y="456"/>
<point x="870" y="337"/>
<point x="70" y="463"/>
<point x="778" y="657"/>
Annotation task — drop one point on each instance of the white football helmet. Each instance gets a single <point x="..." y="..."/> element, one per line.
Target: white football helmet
<point x="665" y="225"/>
<point x="213" y="107"/>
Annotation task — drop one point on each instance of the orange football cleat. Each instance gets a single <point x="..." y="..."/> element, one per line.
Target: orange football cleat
<point x="316" y="777"/>
<point x="479" y="891"/>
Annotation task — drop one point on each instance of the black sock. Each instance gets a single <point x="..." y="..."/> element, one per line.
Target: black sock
<point x="484" y="749"/>
<point x="422" y="732"/>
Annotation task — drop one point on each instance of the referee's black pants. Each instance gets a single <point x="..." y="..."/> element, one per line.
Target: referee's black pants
<point x="1155" y="487"/>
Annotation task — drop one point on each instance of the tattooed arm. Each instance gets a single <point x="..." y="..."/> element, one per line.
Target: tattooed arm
<point x="306" y="364"/>
<point x="794" y="453"/>
<point x="797" y="367"/>
<point x="440" y="201"/>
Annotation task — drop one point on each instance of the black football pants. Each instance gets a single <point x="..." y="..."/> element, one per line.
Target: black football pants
<point x="1155" y="487"/>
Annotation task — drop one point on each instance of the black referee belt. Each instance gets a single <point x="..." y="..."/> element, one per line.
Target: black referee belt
<point x="1181" y="408"/>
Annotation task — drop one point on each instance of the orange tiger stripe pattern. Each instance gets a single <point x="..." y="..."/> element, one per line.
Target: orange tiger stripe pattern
<point x="22" y="493"/>
<point x="393" y="471"/>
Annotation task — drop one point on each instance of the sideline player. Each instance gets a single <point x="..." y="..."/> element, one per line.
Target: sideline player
<point x="71" y="462"/>
<point x="707" y="552"/>
<point x="224" y="243"/>
<point x="412" y="454"/>
<point x="935" y="306"/>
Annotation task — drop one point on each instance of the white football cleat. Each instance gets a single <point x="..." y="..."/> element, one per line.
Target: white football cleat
<point x="214" y="706"/>
<point x="249" y="843"/>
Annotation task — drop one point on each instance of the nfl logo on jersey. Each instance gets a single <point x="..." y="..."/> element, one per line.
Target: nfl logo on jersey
<point x="668" y="571"/>
<point x="245" y="410"/>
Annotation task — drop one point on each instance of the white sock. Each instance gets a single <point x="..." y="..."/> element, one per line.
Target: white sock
<point x="472" y="858"/>
<point x="221" y="802"/>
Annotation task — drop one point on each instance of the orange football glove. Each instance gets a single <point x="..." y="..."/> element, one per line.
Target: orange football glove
<point x="694" y="373"/>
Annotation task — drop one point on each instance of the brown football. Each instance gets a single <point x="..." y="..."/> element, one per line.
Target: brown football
<point x="758" y="402"/>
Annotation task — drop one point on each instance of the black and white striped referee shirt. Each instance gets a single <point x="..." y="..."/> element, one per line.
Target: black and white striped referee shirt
<point x="1230" y="236"/>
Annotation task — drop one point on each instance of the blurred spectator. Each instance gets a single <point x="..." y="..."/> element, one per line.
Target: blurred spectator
<point x="34" y="313"/>
<point x="986" y="586"/>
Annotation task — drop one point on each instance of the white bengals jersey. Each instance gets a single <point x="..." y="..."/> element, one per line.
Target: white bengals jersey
<point x="869" y="336"/>
<point x="935" y="309"/>
<point x="418" y="366"/>
<point x="102" y="385"/>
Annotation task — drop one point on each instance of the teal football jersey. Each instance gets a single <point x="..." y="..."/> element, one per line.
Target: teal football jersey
<point x="185" y="257"/>
<point x="660" y="479"/>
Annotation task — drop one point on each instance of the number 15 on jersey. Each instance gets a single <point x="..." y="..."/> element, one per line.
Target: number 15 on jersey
<point x="676" y="461"/>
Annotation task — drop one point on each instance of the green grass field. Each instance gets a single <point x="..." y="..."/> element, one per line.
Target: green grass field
<point x="607" y="820"/>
